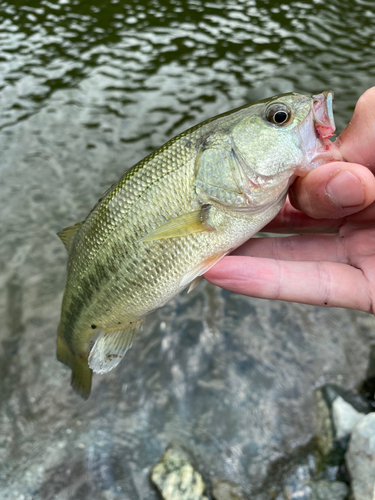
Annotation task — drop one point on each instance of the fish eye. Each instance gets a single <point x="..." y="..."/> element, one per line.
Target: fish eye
<point x="278" y="114"/>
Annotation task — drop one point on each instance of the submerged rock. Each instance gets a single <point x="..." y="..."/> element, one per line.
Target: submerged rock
<point x="176" y="478"/>
<point x="323" y="424"/>
<point x="304" y="478"/>
<point x="317" y="490"/>
<point x="301" y="489"/>
<point x="360" y="459"/>
<point x="327" y="490"/>
<point x="225" y="490"/>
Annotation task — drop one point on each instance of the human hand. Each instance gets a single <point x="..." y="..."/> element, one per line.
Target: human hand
<point x="333" y="270"/>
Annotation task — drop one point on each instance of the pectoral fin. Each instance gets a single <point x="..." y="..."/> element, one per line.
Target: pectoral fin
<point x="67" y="235"/>
<point x="200" y="269"/>
<point x="192" y="222"/>
<point x="111" y="346"/>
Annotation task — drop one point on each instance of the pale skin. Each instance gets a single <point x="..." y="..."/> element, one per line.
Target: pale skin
<point x="330" y="262"/>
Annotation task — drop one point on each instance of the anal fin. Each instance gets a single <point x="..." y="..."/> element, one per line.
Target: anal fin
<point x="111" y="346"/>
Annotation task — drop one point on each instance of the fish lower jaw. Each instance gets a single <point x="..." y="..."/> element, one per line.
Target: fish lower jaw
<point x="327" y="152"/>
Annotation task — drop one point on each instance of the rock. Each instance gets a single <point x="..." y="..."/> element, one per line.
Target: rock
<point x="327" y="490"/>
<point x="360" y="459"/>
<point x="296" y="478"/>
<point x="225" y="490"/>
<point x="357" y="401"/>
<point x="176" y="478"/>
<point x="323" y="425"/>
<point x="345" y="417"/>
<point x="337" y="411"/>
<point x="316" y="490"/>
<point x="296" y="483"/>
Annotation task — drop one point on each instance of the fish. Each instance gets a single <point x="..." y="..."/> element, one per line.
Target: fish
<point x="175" y="214"/>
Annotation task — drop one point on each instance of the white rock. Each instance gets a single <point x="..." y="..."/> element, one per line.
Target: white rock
<point x="345" y="417"/>
<point x="360" y="458"/>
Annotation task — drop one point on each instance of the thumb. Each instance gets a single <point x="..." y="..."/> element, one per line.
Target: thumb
<point x="356" y="142"/>
<point x="333" y="190"/>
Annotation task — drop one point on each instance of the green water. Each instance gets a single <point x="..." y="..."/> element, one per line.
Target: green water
<point x="87" y="88"/>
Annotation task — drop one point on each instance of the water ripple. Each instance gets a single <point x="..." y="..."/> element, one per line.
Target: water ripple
<point x="222" y="48"/>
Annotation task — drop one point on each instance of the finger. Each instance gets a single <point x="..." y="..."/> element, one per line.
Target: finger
<point x="329" y="284"/>
<point x="290" y="220"/>
<point x="334" y="190"/>
<point x="296" y="248"/>
<point x="356" y="142"/>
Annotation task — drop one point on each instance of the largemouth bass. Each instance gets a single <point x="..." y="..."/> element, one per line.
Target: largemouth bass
<point x="176" y="213"/>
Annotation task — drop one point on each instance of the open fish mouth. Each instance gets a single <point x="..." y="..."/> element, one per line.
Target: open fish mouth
<point x="323" y="114"/>
<point x="314" y="134"/>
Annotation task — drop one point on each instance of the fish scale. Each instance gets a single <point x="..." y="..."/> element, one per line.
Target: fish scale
<point x="170" y="218"/>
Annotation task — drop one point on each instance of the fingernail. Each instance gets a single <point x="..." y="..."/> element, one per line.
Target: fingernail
<point x="346" y="190"/>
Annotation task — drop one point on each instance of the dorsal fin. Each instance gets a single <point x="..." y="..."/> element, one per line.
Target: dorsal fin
<point x="67" y="235"/>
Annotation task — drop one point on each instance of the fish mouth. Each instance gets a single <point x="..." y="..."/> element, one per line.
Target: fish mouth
<point x="323" y="114"/>
<point x="314" y="134"/>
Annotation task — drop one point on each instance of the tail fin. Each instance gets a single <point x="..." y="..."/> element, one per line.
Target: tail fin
<point x="81" y="378"/>
<point x="81" y="373"/>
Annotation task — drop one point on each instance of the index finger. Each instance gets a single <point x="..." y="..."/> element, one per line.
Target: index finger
<point x="330" y="284"/>
<point x="290" y="221"/>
